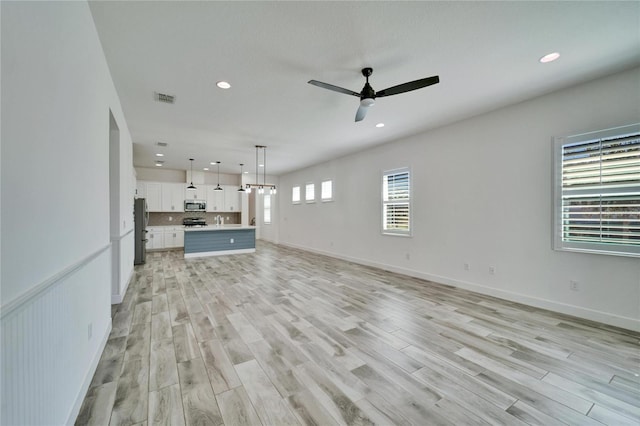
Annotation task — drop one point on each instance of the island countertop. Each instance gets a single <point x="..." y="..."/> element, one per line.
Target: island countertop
<point x="216" y="228"/>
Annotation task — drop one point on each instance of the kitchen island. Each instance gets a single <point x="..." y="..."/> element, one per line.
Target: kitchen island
<point x="218" y="240"/>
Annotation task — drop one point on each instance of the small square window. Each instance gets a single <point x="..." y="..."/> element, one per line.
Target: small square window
<point x="295" y="195"/>
<point x="326" y="190"/>
<point x="310" y="193"/>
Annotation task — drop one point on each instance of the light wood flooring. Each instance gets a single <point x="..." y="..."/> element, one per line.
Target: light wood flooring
<point x="285" y="337"/>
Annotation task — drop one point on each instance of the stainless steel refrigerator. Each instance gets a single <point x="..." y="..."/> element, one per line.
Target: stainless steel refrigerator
<point x="141" y="219"/>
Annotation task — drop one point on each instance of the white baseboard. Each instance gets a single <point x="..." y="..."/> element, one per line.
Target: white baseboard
<point x="75" y="410"/>
<point x="563" y="308"/>
<point x="117" y="299"/>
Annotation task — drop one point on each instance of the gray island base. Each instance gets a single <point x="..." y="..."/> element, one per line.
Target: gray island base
<point x="219" y="240"/>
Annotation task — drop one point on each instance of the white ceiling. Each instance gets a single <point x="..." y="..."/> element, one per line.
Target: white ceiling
<point x="486" y="54"/>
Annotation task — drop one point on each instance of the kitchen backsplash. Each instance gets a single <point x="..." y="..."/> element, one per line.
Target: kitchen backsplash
<point x="168" y="219"/>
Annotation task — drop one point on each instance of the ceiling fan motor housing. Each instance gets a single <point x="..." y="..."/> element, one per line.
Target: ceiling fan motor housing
<point x="367" y="95"/>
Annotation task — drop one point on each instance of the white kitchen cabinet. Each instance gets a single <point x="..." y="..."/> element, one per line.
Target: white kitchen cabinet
<point x="153" y="195"/>
<point x="172" y="197"/>
<point x="231" y="198"/>
<point x="173" y="237"/>
<point x="200" y="193"/>
<point x="141" y="189"/>
<point x="215" y="199"/>
<point x="155" y="238"/>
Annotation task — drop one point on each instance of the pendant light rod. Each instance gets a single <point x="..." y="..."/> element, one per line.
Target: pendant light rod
<point x="218" y="188"/>
<point x="191" y="186"/>
<point x="241" y="188"/>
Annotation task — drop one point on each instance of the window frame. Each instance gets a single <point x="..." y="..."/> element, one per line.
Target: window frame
<point x="306" y="193"/>
<point x="322" y="198"/>
<point x="293" y="191"/>
<point x="559" y="244"/>
<point x="409" y="201"/>
<point x="264" y="209"/>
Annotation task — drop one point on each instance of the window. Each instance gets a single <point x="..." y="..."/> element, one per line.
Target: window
<point x="267" y="209"/>
<point x="326" y="190"/>
<point x="310" y="193"/>
<point x="597" y="192"/>
<point x="295" y="195"/>
<point x="396" y="202"/>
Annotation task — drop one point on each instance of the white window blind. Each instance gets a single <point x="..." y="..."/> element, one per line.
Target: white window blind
<point x="326" y="190"/>
<point x="396" y="202"/>
<point x="598" y="192"/>
<point x="310" y="193"/>
<point x="295" y="195"/>
<point x="267" y="209"/>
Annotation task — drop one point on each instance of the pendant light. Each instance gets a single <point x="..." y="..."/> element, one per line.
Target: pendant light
<point x="218" y="188"/>
<point x="260" y="187"/>
<point x="272" y="191"/>
<point x="241" y="188"/>
<point x="191" y="186"/>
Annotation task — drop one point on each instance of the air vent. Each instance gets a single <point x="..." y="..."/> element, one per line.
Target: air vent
<point x="167" y="99"/>
<point x="162" y="144"/>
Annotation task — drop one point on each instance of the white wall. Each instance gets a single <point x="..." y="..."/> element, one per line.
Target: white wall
<point x="482" y="195"/>
<point x="56" y="258"/>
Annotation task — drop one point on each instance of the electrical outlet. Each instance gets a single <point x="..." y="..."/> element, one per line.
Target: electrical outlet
<point x="467" y="267"/>
<point x="492" y="270"/>
<point x="89" y="331"/>
<point x="574" y="285"/>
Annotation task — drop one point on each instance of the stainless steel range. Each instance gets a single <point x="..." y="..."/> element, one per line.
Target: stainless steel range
<point x="194" y="221"/>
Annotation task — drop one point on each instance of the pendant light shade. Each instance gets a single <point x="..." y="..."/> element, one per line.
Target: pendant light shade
<point x="191" y="185"/>
<point x="241" y="188"/>
<point x="218" y="187"/>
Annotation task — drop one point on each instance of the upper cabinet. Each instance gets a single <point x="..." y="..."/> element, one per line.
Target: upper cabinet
<point x="141" y="189"/>
<point x="172" y="197"/>
<point x="231" y="198"/>
<point x="200" y="193"/>
<point x="215" y="199"/>
<point x="153" y="194"/>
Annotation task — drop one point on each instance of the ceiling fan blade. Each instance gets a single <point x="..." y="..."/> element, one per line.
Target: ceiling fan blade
<point x="407" y="87"/>
<point x="361" y="113"/>
<point x="334" y="88"/>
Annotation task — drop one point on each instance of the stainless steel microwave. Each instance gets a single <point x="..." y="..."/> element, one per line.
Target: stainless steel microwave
<point x="195" y="206"/>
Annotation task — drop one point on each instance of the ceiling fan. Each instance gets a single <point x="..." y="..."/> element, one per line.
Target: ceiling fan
<point x="368" y="95"/>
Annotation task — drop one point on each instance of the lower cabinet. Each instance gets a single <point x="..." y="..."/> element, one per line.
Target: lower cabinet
<point x="165" y="237"/>
<point x="155" y="238"/>
<point x="174" y="238"/>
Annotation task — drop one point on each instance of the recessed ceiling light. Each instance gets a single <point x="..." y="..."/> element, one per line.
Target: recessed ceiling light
<point x="159" y="155"/>
<point x="206" y="168"/>
<point x="213" y="163"/>
<point x="260" y="165"/>
<point x="159" y="164"/>
<point x="380" y="125"/>
<point x="223" y="85"/>
<point x="550" y="57"/>
<point x="246" y="173"/>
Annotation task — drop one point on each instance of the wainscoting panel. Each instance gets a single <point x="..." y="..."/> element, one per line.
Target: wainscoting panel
<point x="52" y="341"/>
